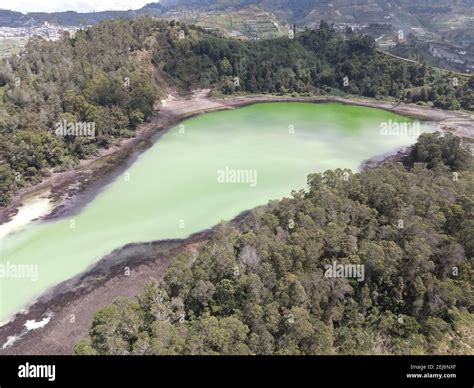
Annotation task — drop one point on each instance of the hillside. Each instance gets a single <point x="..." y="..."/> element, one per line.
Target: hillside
<point x="445" y="21"/>
<point x="268" y="285"/>
<point x="112" y="74"/>
<point x="425" y="12"/>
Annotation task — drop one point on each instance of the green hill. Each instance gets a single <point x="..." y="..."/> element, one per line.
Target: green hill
<point x="112" y="74"/>
<point x="264" y="286"/>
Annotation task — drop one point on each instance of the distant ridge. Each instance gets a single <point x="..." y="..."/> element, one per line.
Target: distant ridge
<point x="300" y="11"/>
<point x="72" y="18"/>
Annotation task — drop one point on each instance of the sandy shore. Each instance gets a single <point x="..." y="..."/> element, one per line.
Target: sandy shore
<point x="71" y="304"/>
<point x="36" y="206"/>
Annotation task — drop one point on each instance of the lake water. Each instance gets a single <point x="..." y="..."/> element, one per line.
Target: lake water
<point x="209" y="168"/>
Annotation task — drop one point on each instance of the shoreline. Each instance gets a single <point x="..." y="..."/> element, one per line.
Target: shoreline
<point x="104" y="281"/>
<point x="71" y="304"/>
<point x="60" y="317"/>
<point x="97" y="171"/>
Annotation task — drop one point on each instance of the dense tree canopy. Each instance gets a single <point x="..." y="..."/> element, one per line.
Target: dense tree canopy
<point x="111" y="75"/>
<point x="97" y="77"/>
<point x="436" y="150"/>
<point x="261" y="287"/>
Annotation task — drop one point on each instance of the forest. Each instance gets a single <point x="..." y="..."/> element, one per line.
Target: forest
<point x="112" y="74"/>
<point x="261" y="286"/>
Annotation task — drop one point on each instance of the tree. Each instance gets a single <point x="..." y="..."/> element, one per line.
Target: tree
<point x="435" y="149"/>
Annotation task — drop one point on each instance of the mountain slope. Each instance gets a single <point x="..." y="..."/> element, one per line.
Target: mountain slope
<point x="264" y="287"/>
<point x="111" y="75"/>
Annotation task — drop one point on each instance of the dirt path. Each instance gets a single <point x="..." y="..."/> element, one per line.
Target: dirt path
<point x="446" y="71"/>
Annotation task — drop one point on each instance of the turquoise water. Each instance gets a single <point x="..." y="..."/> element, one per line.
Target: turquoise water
<point x="209" y="169"/>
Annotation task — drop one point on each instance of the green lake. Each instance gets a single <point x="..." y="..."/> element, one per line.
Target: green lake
<point x="209" y="168"/>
